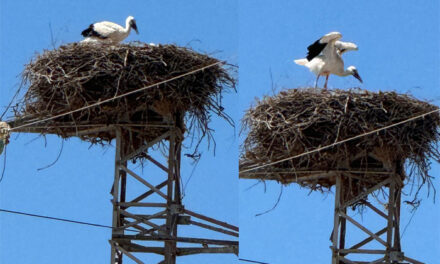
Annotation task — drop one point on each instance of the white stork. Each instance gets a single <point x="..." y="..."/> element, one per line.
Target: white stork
<point x="109" y="32"/>
<point x="324" y="57"/>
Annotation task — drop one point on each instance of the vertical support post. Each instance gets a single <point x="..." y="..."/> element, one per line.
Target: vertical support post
<point x="391" y="208"/>
<point x="177" y="193"/>
<point x="122" y="186"/>
<point x="335" y="255"/>
<point x="171" y="225"/>
<point x="343" y="228"/>
<point x="178" y="145"/>
<point x="343" y="221"/>
<point x="397" y="245"/>
<point x="116" y="256"/>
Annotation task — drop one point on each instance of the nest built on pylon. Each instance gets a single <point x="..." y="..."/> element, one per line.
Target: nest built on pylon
<point x="75" y="76"/>
<point x="296" y="121"/>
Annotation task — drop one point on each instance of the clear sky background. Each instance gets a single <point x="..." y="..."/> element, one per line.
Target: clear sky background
<point x="398" y="50"/>
<point x="77" y="186"/>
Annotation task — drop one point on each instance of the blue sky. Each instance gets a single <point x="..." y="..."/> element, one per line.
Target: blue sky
<point x="398" y="50"/>
<point x="77" y="186"/>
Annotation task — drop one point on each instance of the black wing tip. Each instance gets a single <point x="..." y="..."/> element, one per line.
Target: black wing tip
<point x="315" y="49"/>
<point x="310" y="57"/>
<point x="88" y="31"/>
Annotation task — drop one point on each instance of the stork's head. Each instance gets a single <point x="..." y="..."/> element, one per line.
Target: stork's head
<point x="353" y="71"/>
<point x="132" y="22"/>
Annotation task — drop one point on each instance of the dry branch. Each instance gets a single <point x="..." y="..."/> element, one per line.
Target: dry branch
<point x="299" y="120"/>
<point x="77" y="75"/>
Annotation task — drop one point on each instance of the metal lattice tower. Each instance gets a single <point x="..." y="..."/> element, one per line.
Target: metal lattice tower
<point x="142" y="220"/>
<point x="388" y="237"/>
<point x="159" y="221"/>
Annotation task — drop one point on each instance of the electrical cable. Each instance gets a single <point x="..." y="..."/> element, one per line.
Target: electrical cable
<point x="89" y="224"/>
<point x="61" y="219"/>
<point x="253" y="261"/>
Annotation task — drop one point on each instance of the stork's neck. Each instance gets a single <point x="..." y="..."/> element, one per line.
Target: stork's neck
<point x="341" y="72"/>
<point x="346" y="72"/>
<point x="127" y="26"/>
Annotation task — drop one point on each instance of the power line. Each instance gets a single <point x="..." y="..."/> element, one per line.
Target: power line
<point x="118" y="96"/>
<point x="409" y="222"/>
<point x="253" y="261"/>
<point x="60" y="219"/>
<point x="251" y="168"/>
<point x="88" y="224"/>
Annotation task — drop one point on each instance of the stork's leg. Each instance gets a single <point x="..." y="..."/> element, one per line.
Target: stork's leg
<point x="326" y="80"/>
<point x="316" y="82"/>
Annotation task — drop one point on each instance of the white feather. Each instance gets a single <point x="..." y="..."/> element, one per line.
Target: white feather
<point x="345" y="46"/>
<point x="332" y="36"/>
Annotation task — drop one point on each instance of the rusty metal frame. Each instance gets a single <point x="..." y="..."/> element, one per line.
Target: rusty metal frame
<point x="388" y="237"/>
<point x="131" y="230"/>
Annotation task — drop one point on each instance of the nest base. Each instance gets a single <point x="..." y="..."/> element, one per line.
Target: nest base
<point x="82" y="90"/>
<point x="298" y="121"/>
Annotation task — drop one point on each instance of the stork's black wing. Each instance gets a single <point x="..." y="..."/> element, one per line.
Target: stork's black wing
<point x="91" y="32"/>
<point x="315" y="49"/>
<point x="88" y="32"/>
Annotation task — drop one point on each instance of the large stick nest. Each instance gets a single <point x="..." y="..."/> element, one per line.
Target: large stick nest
<point x="77" y="75"/>
<point x="299" y="120"/>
